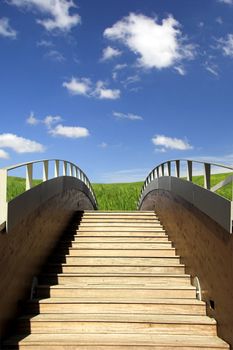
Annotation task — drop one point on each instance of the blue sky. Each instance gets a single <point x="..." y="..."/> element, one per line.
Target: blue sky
<point x="116" y="86"/>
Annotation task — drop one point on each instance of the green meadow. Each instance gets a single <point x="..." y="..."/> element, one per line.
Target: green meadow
<point x="118" y="196"/>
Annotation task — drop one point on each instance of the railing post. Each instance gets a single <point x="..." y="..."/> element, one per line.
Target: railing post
<point x="3" y="197"/>
<point x="64" y="168"/>
<point x="189" y="170"/>
<point x="56" y="168"/>
<point x="29" y="173"/>
<point x="169" y="168"/>
<point x="177" y="168"/>
<point x="162" y="169"/>
<point x="80" y="175"/>
<point x="76" y="172"/>
<point x="45" y="170"/>
<point x="70" y="169"/>
<point x="207" y="176"/>
<point x="157" y="171"/>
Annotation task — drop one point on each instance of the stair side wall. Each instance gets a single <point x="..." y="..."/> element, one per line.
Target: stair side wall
<point x="38" y="218"/>
<point x="205" y="248"/>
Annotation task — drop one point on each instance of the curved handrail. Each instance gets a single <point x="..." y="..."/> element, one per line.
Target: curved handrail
<point x="68" y="169"/>
<point x="159" y="171"/>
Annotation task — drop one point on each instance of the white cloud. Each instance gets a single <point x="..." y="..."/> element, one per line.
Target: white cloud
<point x="50" y="120"/>
<point x="69" y="131"/>
<point x="212" y="68"/>
<point x="102" y="92"/>
<point x="109" y="53"/>
<point x="20" y="144"/>
<point x="114" y="75"/>
<point x="219" y="20"/>
<point x="32" y="120"/>
<point x="157" y="45"/>
<point x="132" y="79"/>
<point x="120" y="66"/>
<point x="57" y="10"/>
<point x="180" y="70"/>
<point x="103" y="145"/>
<point x="85" y="87"/>
<point x="78" y="86"/>
<point x="171" y="143"/>
<point x="4" y="154"/>
<point x="228" y="2"/>
<point x="129" y="116"/>
<point x="226" y="45"/>
<point x="160" y="150"/>
<point x="6" y="30"/>
<point x="55" y="55"/>
<point x="45" y="43"/>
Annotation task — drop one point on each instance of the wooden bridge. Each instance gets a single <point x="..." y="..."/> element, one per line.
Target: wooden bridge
<point x="73" y="277"/>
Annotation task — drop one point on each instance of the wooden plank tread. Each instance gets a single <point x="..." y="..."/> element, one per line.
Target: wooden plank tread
<point x="122" y="318"/>
<point x="118" y="300"/>
<point x="116" y="341"/>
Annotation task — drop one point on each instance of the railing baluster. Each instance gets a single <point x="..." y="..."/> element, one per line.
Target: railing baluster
<point x="76" y="172"/>
<point x="169" y="168"/>
<point x="189" y="170"/>
<point x="56" y="168"/>
<point x="29" y="174"/>
<point x="64" y="168"/>
<point x="207" y="176"/>
<point x="177" y="162"/>
<point x="45" y="170"/>
<point x="70" y="169"/>
<point x="162" y="169"/>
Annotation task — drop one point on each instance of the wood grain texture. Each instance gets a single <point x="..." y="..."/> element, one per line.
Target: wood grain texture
<point x="206" y="250"/>
<point x="115" y="289"/>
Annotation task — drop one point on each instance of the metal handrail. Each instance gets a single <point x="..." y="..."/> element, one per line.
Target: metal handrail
<point x="68" y="169"/>
<point x="159" y="171"/>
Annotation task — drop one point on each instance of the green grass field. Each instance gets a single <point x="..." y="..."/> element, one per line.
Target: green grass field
<point x="119" y="196"/>
<point x="122" y="196"/>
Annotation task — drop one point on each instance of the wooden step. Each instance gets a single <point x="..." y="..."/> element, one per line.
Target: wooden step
<point x="69" y="291"/>
<point x="117" y="305"/>
<point x="115" y="246"/>
<point x="126" y="225"/>
<point x="116" y="261"/>
<point x="113" y="233"/>
<point x="141" y="253"/>
<point x="106" y="239"/>
<point x="127" y="219"/>
<point x="115" y="283"/>
<point x="113" y="280"/>
<point x="116" y="342"/>
<point x="119" y="228"/>
<point x="114" y="269"/>
<point x="118" y="323"/>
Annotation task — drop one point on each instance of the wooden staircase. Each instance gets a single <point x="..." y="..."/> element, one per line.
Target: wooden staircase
<point x="115" y="284"/>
